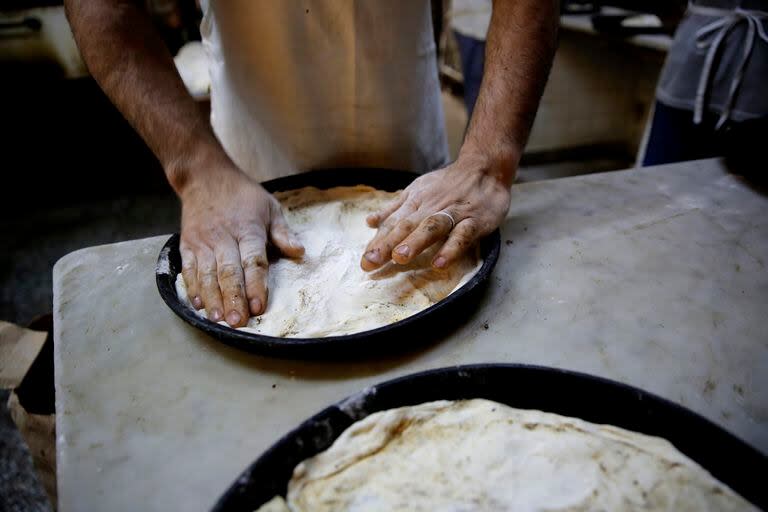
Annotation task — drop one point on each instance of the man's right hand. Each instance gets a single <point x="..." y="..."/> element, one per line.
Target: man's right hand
<point x="227" y="218"/>
<point x="226" y="221"/>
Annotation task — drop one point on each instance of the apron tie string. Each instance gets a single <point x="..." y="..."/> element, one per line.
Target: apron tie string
<point x="711" y="37"/>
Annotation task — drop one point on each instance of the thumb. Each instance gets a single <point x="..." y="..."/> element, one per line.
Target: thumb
<point x="282" y="236"/>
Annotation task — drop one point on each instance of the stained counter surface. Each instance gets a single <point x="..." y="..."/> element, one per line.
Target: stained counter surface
<point x="653" y="277"/>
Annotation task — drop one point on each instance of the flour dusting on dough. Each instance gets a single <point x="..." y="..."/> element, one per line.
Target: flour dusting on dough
<point x="326" y="293"/>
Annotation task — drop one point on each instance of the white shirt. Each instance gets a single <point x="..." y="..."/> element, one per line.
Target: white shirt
<point x="471" y="18"/>
<point x="297" y="85"/>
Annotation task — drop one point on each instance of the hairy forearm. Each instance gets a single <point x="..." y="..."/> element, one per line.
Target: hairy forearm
<point x="520" y="47"/>
<point x="132" y="65"/>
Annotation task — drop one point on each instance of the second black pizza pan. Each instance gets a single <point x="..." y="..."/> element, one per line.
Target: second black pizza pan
<point x="567" y="393"/>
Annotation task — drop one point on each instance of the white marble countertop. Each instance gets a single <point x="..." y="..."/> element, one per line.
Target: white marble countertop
<point x="652" y="277"/>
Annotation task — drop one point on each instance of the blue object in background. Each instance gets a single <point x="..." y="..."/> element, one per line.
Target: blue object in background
<point x="675" y="138"/>
<point x="472" y="53"/>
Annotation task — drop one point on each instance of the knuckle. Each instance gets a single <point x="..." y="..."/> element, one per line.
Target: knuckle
<point x="463" y="243"/>
<point x="432" y="224"/>
<point x="203" y="239"/>
<point x="459" y="210"/>
<point x="252" y="237"/>
<point x="387" y="225"/>
<point x="228" y="271"/>
<point x="189" y="247"/>
<point x="463" y="240"/>
<point x="254" y="262"/>
<point x="206" y="272"/>
<point x="406" y="225"/>
<point x="470" y="230"/>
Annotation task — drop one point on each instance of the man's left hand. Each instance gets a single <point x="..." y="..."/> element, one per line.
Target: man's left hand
<point x="454" y="206"/>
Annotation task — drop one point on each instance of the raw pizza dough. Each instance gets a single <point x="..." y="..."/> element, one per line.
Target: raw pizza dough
<point x="478" y="455"/>
<point x="327" y="293"/>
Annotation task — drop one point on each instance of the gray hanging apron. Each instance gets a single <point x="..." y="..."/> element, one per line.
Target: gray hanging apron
<point x="719" y="61"/>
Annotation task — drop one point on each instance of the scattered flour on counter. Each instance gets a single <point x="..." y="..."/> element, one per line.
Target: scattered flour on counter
<point x="326" y="293"/>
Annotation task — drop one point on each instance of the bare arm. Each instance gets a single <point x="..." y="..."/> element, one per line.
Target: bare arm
<point x="129" y="61"/>
<point x="474" y="190"/>
<point x="226" y="217"/>
<point x="519" y="50"/>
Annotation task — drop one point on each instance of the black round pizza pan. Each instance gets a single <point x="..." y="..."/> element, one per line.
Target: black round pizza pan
<point x="423" y="327"/>
<point x="568" y="393"/>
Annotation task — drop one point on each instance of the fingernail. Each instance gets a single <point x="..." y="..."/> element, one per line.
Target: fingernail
<point x="216" y="315"/>
<point x="403" y="250"/>
<point x="255" y="306"/>
<point x="197" y="302"/>
<point x="439" y="262"/>
<point x="373" y="256"/>
<point x="233" y="318"/>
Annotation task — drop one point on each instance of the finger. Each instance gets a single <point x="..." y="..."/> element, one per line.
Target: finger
<point x="374" y="220"/>
<point x="253" y="257"/>
<point x="379" y="250"/>
<point x="208" y="283"/>
<point x="231" y="283"/>
<point x="432" y="229"/>
<point x="282" y="235"/>
<point x="459" y="241"/>
<point x="189" y="273"/>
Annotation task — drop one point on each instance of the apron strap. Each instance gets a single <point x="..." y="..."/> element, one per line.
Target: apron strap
<point x="711" y="37"/>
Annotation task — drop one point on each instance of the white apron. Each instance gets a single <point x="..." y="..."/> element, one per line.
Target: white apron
<point x="298" y="85"/>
